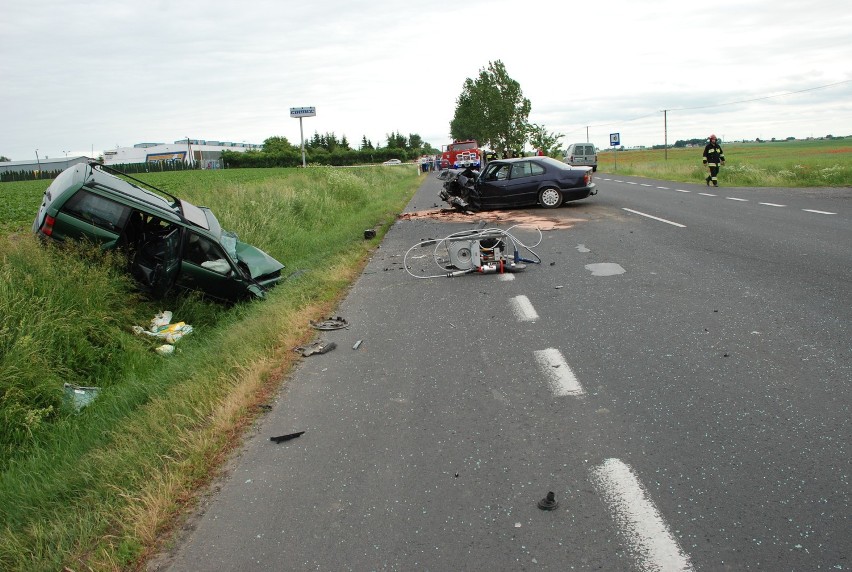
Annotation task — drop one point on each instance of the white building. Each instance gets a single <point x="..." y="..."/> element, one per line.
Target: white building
<point x="206" y="154"/>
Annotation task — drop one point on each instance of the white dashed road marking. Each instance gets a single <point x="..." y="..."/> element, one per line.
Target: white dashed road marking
<point x="817" y="212"/>
<point x="657" y="218"/>
<point x="562" y="380"/>
<point x="736" y="199"/>
<point x="682" y="191"/>
<point x="771" y="205"/>
<point x="523" y="309"/>
<point x="649" y="540"/>
<point x="707" y="194"/>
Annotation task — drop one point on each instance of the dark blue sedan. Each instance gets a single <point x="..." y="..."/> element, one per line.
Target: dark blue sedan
<point x="520" y="182"/>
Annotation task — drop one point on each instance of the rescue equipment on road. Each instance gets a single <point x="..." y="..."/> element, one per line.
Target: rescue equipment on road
<point x="480" y="251"/>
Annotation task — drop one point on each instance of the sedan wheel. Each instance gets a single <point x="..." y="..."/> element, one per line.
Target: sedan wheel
<point x="550" y="198"/>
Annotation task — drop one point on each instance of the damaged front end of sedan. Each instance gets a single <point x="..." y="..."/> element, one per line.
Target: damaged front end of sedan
<point x="460" y="189"/>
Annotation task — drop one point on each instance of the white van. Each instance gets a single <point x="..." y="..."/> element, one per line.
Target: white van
<point x="583" y="154"/>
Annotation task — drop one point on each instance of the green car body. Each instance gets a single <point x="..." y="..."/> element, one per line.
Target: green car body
<point x="170" y="243"/>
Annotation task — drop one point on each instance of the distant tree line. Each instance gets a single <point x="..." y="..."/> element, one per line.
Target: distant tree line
<point x="327" y="149"/>
<point x="10" y="176"/>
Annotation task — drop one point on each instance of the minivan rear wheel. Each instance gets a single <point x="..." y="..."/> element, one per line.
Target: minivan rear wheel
<point x="550" y="197"/>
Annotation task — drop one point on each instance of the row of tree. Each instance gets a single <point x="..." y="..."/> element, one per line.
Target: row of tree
<point x="327" y="149"/>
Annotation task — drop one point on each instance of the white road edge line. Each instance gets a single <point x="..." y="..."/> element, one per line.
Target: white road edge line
<point x="657" y="218"/>
<point x="524" y="309"/>
<point x="562" y="380"/>
<point x="772" y="205"/>
<point x="817" y="212"/>
<point x="648" y="538"/>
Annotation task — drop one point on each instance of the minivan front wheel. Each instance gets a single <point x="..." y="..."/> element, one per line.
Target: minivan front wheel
<point x="550" y="198"/>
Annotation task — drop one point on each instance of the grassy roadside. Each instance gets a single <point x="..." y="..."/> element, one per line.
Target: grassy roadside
<point x="96" y="489"/>
<point x="821" y="163"/>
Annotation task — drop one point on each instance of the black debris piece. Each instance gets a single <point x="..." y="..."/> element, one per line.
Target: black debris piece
<point x="549" y="502"/>
<point x="369" y="233"/>
<point x="281" y="438"/>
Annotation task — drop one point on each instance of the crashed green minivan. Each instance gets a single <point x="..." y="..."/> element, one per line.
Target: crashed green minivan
<point x="170" y="243"/>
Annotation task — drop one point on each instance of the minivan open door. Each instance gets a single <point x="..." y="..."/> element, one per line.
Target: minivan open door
<point x="156" y="262"/>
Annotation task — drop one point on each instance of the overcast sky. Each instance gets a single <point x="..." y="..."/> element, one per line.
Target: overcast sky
<point x="87" y="76"/>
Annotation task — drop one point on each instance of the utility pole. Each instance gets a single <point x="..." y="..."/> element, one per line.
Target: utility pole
<point x="666" y="133"/>
<point x="38" y="161"/>
<point x="587" y="133"/>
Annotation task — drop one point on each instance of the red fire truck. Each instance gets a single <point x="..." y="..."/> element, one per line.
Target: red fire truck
<point x="461" y="154"/>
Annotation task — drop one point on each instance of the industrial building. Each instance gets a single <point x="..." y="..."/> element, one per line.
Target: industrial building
<point x="204" y="154"/>
<point x="39" y="168"/>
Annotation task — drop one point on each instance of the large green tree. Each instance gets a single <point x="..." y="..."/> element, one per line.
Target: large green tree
<point x="277" y="144"/>
<point x="493" y="110"/>
<point x="548" y="142"/>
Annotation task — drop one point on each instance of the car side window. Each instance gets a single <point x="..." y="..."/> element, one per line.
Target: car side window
<point x="206" y="253"/>
<point x="497" y="173"/>
<point x="536" y="169"/>
<point x="522" y="169"/>
<point x="97" y="210"/>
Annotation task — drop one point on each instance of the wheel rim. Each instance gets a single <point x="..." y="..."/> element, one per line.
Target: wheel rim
<point x="550" y="197"/>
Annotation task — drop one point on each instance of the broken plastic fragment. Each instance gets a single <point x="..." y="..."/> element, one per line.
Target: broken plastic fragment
<point x="79" y="397"/>
<point x="315" y="348"/>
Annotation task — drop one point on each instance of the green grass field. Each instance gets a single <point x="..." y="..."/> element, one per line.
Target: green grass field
<point x="818" y="163"/>
<point x="94" y="489"/>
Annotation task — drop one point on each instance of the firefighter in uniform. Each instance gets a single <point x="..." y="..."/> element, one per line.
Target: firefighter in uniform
<point x="714" y="157"/>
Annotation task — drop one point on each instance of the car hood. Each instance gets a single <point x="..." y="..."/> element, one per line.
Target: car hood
<point x="259" y="263"/>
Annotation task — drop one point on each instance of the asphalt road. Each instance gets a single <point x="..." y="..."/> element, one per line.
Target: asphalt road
<point x="676" y="371"/>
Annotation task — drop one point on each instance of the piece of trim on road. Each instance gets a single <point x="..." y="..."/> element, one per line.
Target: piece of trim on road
<point x="656" y="218"/>
<point x="561" y="377"/>
<point x="648" y="539"/>
<point x="524" y="309"/>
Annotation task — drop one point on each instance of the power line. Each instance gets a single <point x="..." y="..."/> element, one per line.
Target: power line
<point x="760" y="98"/>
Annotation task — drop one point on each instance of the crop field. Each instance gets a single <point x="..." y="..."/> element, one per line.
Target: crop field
<point x="818" y="163"/>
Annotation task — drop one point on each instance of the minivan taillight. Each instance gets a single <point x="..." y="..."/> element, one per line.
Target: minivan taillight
<point x="47" y="225"/>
